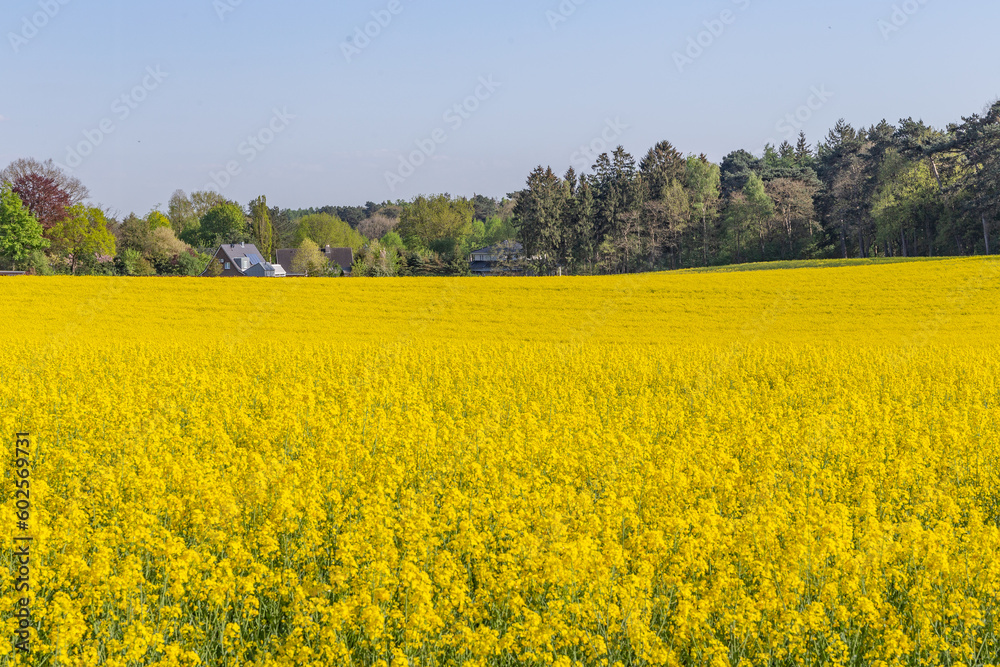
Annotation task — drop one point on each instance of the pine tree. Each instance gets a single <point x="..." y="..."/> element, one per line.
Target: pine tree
<point x="804" y="156"/>
<point x="538" y="216"/>
<point x="662" y="164"/>
<point x="977" y="139"/>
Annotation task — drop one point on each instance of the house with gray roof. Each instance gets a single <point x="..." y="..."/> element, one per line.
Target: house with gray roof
<point x="342" y="257"/>
<point x="238" y="260"/>
<point x="265" y="270"/>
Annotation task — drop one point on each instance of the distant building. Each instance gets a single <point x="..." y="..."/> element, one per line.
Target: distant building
<point x="501" y="259"/>
<point x="342" y="257"/>
<point x="265" y="270"/>
<point x="243" y="260"/>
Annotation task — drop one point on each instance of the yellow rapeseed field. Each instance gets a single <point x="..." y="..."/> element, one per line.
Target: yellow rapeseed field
<point x="796" y="467"/>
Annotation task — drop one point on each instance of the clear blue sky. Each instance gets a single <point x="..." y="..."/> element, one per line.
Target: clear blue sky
<point x="227" y="65"/>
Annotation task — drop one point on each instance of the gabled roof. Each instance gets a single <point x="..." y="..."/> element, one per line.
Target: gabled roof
<point x="342" y="256"/>
<point x="285" y="256"/>
<point x="234" y="250"/>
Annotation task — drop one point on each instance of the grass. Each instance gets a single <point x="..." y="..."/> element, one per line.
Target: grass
<point x="811" y="264"/>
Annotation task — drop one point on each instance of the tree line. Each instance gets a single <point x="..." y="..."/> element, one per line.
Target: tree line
<point x="889" y="190"/>
<point x="47" y="226"/>
<point x="886" y="191"/>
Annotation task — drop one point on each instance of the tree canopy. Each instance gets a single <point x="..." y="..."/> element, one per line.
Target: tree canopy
<point x="83" y="234"/>
<point x="437" y="223"/>
<point x="328" y="230"/>
<point x="224" y="223"/>
<point x="888" y="190"/>
<point x="20" y="232"/>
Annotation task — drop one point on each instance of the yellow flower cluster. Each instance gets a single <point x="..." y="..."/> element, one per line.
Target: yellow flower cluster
<point x="769" y="468"/>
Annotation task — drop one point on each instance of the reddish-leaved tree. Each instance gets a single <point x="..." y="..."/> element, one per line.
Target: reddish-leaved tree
<point x="23" y="166"/>
<point x="43" y="197"/>
<point x="45" y="189"/>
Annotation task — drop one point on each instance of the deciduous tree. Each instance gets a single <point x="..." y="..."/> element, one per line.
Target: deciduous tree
<point x="793" y="204"/>
<point x="22" y="167"/>
<point x="703" y="183"/>
<point x="760" y="208"/>
<point x="182" y="213"/>
<point x="328" y="230"/>
<point x="43" y="197"/>
<point x="438" y="223"/>
<point x="377" y="226"/>
<point x="309" y="260"/>
<point x="20" y="232"/>
<point x="260" y="227"/>
<point x="225" y="223"/>
<point x="83" y="232"/>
